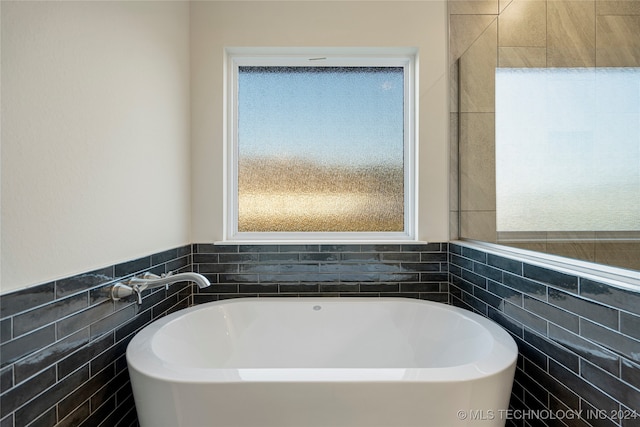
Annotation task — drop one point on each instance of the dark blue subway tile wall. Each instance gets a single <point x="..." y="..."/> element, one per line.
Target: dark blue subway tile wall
<point x="579" y="339"/>
<point x="62" y="354"/>
<point x="62" y="345"/>
<point x="411" y="270"/>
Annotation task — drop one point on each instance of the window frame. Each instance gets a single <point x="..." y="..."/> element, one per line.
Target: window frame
<point x="345" y="57"/>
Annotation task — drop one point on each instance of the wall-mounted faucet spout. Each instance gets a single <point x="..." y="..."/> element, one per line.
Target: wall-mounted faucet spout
<point x="150" y="281"/>
<point x="136" y="285"/>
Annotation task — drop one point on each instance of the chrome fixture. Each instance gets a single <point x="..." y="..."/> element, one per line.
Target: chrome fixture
<point x="136" y="285"/>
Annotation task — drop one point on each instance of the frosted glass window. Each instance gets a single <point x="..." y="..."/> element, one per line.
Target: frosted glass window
<point x="321" y="149"/>
<point x="568" y="149"/>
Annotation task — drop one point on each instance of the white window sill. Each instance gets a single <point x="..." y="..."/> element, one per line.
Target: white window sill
<point x="320" y="242"/>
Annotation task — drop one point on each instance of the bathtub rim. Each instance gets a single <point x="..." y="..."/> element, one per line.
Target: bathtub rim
<point x="501" y="357"/>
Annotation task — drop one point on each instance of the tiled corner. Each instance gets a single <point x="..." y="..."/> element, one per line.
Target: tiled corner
<point x="63" y="345"/>
<point x="577" y="337"/>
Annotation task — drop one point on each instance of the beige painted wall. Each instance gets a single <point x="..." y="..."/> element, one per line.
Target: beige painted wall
<point x="95" y="135"/>
<point x="112" y="119"/>
<point x="214" y="25"/>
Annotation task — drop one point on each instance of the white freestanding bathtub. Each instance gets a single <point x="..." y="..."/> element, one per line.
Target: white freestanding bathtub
<point x="322" y="362"/>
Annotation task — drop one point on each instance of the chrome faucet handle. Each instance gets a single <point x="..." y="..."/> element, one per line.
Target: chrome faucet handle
<point x="120" y="290"/>
<point x="138" y="292"/>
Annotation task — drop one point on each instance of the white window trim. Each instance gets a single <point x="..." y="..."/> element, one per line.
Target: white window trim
<point x="398" y="57"/>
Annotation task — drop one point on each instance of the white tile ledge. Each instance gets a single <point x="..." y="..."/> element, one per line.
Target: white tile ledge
<point x="617" y="277"/>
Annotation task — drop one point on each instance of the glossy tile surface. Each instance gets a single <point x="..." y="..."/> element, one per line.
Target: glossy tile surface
<point x="63" y="345"/>
<point x="577" y="337"/>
